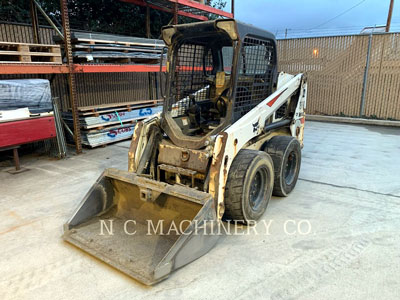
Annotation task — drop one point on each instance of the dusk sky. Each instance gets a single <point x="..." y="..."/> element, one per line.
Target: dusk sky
<point x="301" y="16"/>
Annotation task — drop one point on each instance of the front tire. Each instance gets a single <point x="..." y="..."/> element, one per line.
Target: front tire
<point x="249" y="186"/>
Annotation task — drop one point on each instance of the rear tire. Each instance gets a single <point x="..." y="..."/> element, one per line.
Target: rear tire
<point x="285" y="152"/>
<point x="249" y="186"/>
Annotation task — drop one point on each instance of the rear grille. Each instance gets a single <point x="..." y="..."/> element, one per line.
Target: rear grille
<point x="281" y="112"/>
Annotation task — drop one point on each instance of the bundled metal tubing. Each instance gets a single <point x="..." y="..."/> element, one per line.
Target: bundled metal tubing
<point x="62" y="148"/>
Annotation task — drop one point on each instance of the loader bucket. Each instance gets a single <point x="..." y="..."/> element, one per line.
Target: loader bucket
<point x="142" y="227"/>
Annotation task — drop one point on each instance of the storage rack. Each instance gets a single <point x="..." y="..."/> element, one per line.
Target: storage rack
<point x="186" y="8"/>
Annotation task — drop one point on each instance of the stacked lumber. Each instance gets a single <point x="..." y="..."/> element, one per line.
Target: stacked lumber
<point x="108" y="123"/>
<point x="106" y="48"/>
<point x="29" y="53"/>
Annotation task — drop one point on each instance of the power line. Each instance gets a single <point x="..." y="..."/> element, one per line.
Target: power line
<point x="327" y="28"/>
<point x="355" y="27"/>
<point x="341" y="14"/>
<point x="349" y="30"/>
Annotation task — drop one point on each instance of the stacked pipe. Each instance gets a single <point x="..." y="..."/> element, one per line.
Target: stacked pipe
<point x="107" y="48"/>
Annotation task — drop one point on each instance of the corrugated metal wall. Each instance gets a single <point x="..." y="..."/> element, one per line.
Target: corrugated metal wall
<point x="334" y="66"/>
<point x="20" y="33"/>
<point x="103" y="88"/>
<point x="335" y="69"/>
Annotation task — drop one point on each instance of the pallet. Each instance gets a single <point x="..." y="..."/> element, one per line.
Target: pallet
<point x="115" y="54"/>
<point x="29" y="53"/>
<point x="127" y="108"/>
<point x="112" y="47"/>
<point x="115" y="60"/>
<point x="123" y="117"/>
<point x="117" y="43"/>
<point x="104" y="108"/>
<point x="110" y="134"/>
<point x="106" y="118"/>
<point x="102" y="125"/>
<point x="101" y="48"/>
<point x="104" y="38"/>
<point x="104" y="143"/>
<point x="109" y="125"/>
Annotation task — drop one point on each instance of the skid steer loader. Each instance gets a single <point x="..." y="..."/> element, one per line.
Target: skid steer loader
<point x="229" y="136"/>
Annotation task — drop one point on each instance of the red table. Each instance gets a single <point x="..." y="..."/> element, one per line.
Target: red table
<point x="15" y="133"/>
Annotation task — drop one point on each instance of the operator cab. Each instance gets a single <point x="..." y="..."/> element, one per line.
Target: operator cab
<point x="217" y="71"/>
<point x="201" y="78"/>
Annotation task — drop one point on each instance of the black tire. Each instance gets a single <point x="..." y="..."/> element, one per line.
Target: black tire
<point x="249" y="186"/>
<point x="285" y="152"/>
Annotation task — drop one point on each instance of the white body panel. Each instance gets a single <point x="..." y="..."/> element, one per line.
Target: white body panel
<point x="241" y="132"/>
<point x="251" y="125"/>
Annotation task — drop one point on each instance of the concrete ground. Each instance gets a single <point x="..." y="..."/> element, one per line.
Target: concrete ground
<point x="348" y="198"/>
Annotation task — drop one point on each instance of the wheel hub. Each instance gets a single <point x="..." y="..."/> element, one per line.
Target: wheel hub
<point x="290" y="168"/>
<point x="257" y="188"/>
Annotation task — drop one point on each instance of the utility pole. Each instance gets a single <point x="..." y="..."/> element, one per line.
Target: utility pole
<point x="286" y="33"/>
<point x="389" y="18"/>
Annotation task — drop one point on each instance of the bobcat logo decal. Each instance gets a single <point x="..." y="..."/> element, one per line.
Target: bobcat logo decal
<point x="255" y="127"/>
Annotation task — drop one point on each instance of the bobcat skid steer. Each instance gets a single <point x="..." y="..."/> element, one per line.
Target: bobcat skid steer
<point x="229" y="136"/>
